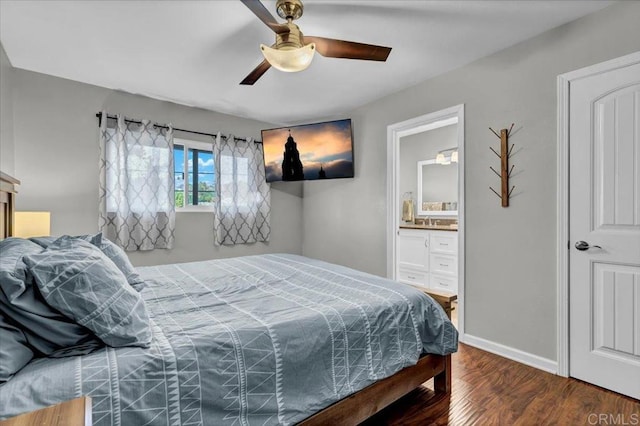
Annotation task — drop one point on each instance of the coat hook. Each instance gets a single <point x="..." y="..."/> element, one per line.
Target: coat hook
<point x="506" y="169"/>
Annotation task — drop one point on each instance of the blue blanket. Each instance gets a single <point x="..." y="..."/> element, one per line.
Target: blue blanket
<point x="255" y="340"/>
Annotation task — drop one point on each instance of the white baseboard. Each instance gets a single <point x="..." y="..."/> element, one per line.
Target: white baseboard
<point x="531" y="360"/>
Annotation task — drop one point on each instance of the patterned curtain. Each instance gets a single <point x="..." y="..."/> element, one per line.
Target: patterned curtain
<point x="137" y="204"/>
<point x="243" y="206"/>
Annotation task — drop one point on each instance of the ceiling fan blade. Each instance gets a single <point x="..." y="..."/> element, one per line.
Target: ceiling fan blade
<point x="263" y="14"/>
<point x="256" y="73"/>
<point x="348" y="49"/>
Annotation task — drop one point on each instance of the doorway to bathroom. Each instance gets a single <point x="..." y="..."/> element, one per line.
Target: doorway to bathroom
<point x="425" y="204"/>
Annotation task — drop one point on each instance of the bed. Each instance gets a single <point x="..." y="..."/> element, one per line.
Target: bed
<point x="268" y="339"/>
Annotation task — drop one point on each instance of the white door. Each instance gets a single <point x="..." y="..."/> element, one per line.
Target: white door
<point x="604" y="211"/>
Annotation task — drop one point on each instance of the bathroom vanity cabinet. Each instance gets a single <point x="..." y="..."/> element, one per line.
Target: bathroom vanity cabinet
<point x="428" y="258"/>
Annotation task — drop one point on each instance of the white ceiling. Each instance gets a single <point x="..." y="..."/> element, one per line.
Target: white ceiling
<point x="196" y="52"/>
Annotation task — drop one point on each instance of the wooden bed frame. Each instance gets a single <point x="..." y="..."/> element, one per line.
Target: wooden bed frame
<point x="351" y="410"/>
<point x="7" y="204"/>
<point x="363" y="404"/>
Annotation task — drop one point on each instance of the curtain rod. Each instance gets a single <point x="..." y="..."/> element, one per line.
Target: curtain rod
<point x="99" y="116"/>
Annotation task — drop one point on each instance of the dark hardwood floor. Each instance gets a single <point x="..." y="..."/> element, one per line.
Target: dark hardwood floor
<point x="490" y="390"/>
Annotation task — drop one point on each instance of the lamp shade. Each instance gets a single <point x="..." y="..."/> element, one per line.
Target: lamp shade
<point x="289" y="60"/>
<point x="32" y="224"/>
<point x="454" y="156"/>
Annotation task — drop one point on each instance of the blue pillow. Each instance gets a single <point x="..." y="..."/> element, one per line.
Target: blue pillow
<point x="75" y="277"/>
<point x="13" y="271"/>
<point x="45" y="242"/>
<point x="120" y="258"/>
<point x="15" y="352"/>
<point x="45" y="329"/>
<point x="113" y="252"/>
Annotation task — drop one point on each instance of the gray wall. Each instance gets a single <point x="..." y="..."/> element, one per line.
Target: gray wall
<point x="6" y="114"/>
<point x="510" y="252"/>
<point x="56" y="158"/>
<point x="425" y="146"/>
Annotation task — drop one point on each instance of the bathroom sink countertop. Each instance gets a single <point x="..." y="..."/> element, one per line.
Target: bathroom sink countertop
<point x="430" y="227"/>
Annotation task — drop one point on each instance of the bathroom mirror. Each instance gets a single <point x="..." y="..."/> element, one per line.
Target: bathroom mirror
<point x="437" y="189"/>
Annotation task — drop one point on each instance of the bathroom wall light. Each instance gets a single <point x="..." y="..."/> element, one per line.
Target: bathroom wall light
<point x="444" y="160"/>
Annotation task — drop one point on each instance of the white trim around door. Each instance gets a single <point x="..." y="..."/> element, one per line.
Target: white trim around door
<point x="410" y="127"/>
<point x="562" y="213"/>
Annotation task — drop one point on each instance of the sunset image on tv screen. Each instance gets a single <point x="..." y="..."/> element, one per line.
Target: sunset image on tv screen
<point x="309" y="152"/>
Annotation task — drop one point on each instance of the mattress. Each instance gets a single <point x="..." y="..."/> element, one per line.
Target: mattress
<point x="256" y="340"/>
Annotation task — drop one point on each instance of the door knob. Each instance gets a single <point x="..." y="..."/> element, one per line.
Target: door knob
<point x="583" y="245"/>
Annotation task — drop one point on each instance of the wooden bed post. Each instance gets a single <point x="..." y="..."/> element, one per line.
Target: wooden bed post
<point x="7" y="204"/>
<point x="442" y="381"/>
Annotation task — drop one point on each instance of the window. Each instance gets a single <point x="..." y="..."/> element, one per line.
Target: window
<point x="136" y="200"/>
<point x="194" y="175"/>
<point x="136" y="181"/>
<point x="234" y="182"/>
<point x="244" y="195"/>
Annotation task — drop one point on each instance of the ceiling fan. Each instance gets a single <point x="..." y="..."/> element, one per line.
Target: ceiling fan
<point x="293" y="51"/>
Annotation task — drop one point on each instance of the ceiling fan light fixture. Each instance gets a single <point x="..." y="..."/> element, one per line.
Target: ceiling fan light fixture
<point x="289" y="59"/>
<point x="292" y="52"/>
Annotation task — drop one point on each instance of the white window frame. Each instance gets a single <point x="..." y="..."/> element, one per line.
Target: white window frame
<point x="202" y="146"/>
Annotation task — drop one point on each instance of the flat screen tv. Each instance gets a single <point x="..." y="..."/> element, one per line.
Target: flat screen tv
<point x="309" y="151"/>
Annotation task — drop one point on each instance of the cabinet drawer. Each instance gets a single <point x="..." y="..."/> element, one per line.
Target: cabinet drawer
<point x="413" y="277"/>
<point x="444" y="283"/>
<point x="444" y="264"/>
<point x="445" y="242"/>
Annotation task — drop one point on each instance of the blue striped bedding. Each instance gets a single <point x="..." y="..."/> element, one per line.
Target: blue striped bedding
<point x="257" y="340"/>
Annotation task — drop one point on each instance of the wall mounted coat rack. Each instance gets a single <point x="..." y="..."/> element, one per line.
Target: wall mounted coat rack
<point x="505" y="171"/>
